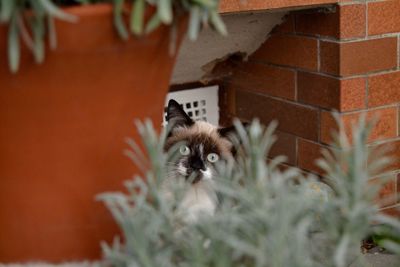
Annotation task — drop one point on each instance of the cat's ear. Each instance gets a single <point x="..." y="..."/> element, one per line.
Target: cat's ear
<point x="176" y="116"/>
<point x="230" y="133"/>
<point x="227" y="132"/>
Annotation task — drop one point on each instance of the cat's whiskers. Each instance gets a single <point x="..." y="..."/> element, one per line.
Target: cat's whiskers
<point x="182" y="169"/>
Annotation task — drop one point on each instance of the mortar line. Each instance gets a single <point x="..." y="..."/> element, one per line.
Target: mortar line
<point x="366" y="20"/>
<point x="318" y="55"/>
<point x="295" y="86"/>
<point x="363" y="75"/>
<point x="366" y="92"/>
<point x="398" y="51"/>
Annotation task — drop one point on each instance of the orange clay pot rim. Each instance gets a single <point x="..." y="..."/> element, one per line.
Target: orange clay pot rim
<point x="224" y="8"/>
<point x="89" y="10"/>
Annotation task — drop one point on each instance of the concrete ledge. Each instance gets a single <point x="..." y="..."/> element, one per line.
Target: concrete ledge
<point x="379" y="260"/>
<point x="371" y="260"/>
<point x="230" y="6"/>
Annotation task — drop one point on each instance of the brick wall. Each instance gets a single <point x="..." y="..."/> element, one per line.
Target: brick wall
<point x="316" y="62"/>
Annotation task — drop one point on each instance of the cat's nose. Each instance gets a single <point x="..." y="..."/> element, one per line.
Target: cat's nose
<point x="197" y="164"/>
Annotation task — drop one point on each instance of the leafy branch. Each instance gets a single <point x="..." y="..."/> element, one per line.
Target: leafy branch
<point x="267" y="216"/>
<point x="31" y="20"/>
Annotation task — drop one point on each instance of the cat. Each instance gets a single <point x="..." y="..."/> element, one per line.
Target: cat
<point x="203" y="145"/>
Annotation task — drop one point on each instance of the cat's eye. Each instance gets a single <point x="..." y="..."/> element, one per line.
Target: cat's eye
<point x="184" y="150"/>
<point x="212" y="157"/>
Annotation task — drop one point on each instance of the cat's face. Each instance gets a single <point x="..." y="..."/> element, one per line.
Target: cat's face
<point x="201" y="145"/>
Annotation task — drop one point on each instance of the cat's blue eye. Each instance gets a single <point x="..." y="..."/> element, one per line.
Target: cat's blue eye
<point x="212" y="157"/>
<point x="184" y="150"/>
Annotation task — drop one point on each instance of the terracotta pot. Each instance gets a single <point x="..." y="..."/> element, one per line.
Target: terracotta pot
<point x="62" y="134"/>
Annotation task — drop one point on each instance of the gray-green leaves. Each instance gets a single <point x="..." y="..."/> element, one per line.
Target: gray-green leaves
<point x="13" y="44"/>
<point x="267" y="217"/>
<point x="39" y="15"/>
<point x="16" y="14"/>
<point x="54" y="11"/>
<point x="118" y="19"/>
<point x="6" y="10"/>
<point x="202" y="13"/>
<point x="137" y="16"/>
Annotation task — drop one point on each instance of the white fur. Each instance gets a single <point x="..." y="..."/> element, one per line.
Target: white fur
<point x="198" y="202"/>
<point x="207" y="174"/>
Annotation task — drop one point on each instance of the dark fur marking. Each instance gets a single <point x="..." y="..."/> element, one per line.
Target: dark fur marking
<point x="210" y="146"/>
<point x="177" y="116"/>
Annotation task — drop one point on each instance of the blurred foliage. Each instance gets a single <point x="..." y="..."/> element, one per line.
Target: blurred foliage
<point x="266" y="217"/>
<point x="387" y="236"/>
<point x="32" y="20"/>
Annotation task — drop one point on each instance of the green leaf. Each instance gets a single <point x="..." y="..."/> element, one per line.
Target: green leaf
<point x="24" y="33"/>
<point x="53" y="10"/>
<point x="84" y="2"/>
<point x="165" y="11"/>
<point x="279" y="219"/>
<point x="118" y="20"/>
<point x="6" y="9"/>
<point x="208" y="4"/>
<point x="38" y="9"/>
<point x="37" y="26"/>
<point x="194" y="23"/>
<point x="153" y="23"/>
<point x="137" y="16"/>
<point x="13" y="44"/>
<point x="217" y="22"/>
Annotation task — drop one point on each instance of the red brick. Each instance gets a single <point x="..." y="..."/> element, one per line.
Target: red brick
<point x="295" y="51"/>
<point x="352" y="21"/>
<point x="325" y="24"/>
<point x="392" y="211"/>
<point x="383" y="17"/>
<point x="361" y="57"/>
<point x="387" y="190"/>
<point x="333" y="93"/>
<point x="330" y="57"/>
<point x="227" y="102"/>
<point x="308" y="153"/>
<point x="293" y="118"/>
<point x="398" y="186"/>
<point x="287" y="26"/>
<point x="347" y="22"/>
<point x="318" y="90"/>
<point x="384" y="89"/>
<point x="386" y="126"/>
<point x="265" y="79"/>
<point x="393" y="148"/>
<point x="285" y="145"/>
<point x="353" y="94"/>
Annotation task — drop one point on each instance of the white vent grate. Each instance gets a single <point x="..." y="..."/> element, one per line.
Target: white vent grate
<point x="199" y="104"/>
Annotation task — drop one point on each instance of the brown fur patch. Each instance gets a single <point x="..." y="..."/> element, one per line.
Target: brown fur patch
<point x="202" y="133"/>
